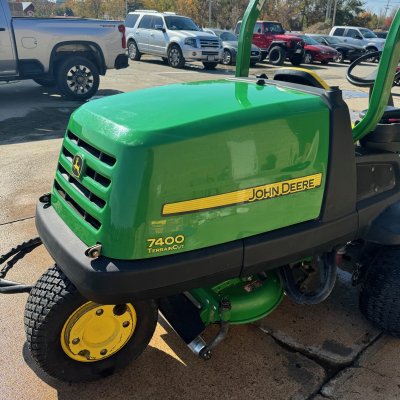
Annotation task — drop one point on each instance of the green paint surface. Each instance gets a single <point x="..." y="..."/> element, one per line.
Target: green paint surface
<point x="187" y="141"/>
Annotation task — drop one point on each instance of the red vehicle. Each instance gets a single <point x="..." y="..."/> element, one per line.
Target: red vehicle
<point x="270" y="37"/>
<point x="314" y="51"/>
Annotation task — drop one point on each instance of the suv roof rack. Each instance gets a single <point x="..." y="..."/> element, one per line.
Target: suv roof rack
<point x="169" y="13"/>
<point x="149" y="11"/>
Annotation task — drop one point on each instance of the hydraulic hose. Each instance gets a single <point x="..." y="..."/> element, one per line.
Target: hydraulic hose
<point x="328" y="271"/>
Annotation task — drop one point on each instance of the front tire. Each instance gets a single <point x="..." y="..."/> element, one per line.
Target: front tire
<point x="339" y="58"/>
<point x="226" y="57"/>
<point x="380" y="291"/>
<point x="75" y="340"/>
<point x="175" y="57"/>
<point x="277" y="55"/>
<point x="78" y="78"/>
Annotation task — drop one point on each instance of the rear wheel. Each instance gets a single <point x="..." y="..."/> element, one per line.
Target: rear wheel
<point x="339" y="58"/>
<point x="277" y="55"/>
<point x="308" y="58"/>
<point x="133" y="51"/>
<point x="380" y="291"/>
<point x="73" y="339"/>
<point x="78" y="78"/>
<point x="209" y="65"/>
<point x="175" y="57"/>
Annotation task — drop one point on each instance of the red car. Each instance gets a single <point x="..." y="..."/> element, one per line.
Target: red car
<point x="313" y="51"/>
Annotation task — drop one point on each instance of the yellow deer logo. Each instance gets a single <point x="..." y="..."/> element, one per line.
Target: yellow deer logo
<point x="77" y="166"/>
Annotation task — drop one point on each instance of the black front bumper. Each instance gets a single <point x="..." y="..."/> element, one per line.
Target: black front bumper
<point x="109" y="281"/>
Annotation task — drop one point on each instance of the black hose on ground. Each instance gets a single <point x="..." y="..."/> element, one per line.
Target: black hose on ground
<point x="328" y="270"/>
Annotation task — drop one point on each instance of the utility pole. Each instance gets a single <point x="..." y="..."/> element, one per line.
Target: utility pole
<point x="386" y="10"/>
<point x="334" y="14"/>
<point x="209" y="13"/>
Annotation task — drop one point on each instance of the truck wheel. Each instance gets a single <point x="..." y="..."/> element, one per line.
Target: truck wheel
<point x="210" y="65"/>
<point x="133" y="51"/>
<point x="277" y="55"/>
<point x="175" y="57"/>
<point x="380" y="291"/>
<point x="73" y="339"/>
<point x="78" y="78"/>
<point x="45" y="81"/>
<point x="308" y="58"/>
<point x="296" y="60"/>
<point x="226" y="57"/>
<point x="339" y="58"/>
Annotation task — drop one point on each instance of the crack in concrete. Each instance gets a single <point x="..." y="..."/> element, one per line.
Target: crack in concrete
<point x="17" y="220"/>
<point x="342" y="368"/>
<point x="332" y="371"/>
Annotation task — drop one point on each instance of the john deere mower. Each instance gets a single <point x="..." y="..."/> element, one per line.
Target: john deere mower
<point x="233" y="194"/>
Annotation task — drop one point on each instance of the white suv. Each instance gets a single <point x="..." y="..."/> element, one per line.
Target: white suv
<point x="173" y="37"/>
<point x="359" y="37"/>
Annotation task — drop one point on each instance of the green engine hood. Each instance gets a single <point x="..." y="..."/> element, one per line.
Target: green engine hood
<point x="182" y="167"/>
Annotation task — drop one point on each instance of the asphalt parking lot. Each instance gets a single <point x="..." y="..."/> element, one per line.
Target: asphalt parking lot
<point x="327" y="351"/>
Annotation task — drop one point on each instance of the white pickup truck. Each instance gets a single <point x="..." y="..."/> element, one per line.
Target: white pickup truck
<point x="71" y="53"/>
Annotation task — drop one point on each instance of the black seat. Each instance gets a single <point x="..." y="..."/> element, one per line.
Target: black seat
<point x="386" y="135"/>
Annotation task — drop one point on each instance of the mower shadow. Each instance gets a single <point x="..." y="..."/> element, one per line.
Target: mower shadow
<point x="243" y="366"/>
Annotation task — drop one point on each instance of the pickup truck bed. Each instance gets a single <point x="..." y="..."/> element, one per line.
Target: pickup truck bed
<point x="68" y="52"/>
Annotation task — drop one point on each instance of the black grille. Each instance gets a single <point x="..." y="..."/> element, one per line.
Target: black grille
<point x="80" y="188"/>
<point x="76" y="207"/>
<point x="210" y="53"/>
<point x="209" y="43"/>
<point x="107" y="159"/>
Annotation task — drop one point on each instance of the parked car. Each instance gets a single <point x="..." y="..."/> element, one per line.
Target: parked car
<point x="270" y="37"/>
<point x="345" y="51"/>
<point x="230" y="47"/>
<point x="314" y="51"/>
<point x="381" y="34"/>
<point x="175" y="38"/>
<point x="358" y="36"/>
<point x="71" y="53"/>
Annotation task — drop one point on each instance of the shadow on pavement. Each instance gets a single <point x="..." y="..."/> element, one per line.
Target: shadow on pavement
<point x="43" y="121"/>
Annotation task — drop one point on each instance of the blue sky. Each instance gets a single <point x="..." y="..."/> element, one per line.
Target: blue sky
<point x="378" y="5"/>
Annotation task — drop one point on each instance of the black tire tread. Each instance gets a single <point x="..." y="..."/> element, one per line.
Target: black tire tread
<point x="52" y="289"/>
<point x="380" y="292"/>
<point x="50" y="302"/>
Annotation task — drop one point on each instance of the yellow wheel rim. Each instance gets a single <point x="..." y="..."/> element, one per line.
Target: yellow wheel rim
<point x="94" y="332"/>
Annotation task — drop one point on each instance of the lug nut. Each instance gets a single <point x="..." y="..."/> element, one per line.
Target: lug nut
<point x="125" y="324"/>
<point x="99" y="311"/>
<point x="103" y="352"/>
<point x="75" y="341"/>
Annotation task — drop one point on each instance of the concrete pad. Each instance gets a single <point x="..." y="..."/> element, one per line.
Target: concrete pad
<point x="375" y="376"/>
<point x="247" y="364"/>
<point x="333" y="331"/>
<point x="27" y="172"/>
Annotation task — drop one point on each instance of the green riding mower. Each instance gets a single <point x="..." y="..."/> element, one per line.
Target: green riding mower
<point x="210" y="209"/>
